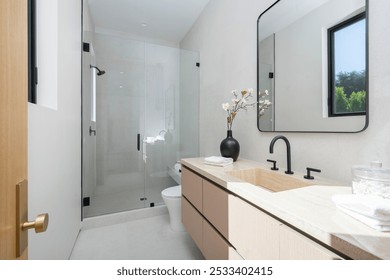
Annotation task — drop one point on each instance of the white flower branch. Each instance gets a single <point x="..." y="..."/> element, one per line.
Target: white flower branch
<point x="242" y="102"/>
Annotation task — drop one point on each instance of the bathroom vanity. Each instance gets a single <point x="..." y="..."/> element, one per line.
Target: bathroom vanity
<point x="246" y="211"/>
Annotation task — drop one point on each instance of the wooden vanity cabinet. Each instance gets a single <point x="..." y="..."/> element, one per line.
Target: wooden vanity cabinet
<point x="205" y="216"/>
<point x="215" y="247"/>
<point x="216" y="207"/>
<point x="209" y="241"/>
<point x="254" y="234"/>
<point x="191" y="188"/>
<point x="295" y="246"/>
<point x="193" y="222"/>
<point x="224" y="226"/>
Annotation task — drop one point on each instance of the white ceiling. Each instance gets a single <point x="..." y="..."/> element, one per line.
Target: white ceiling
<point x="167" y="20"/>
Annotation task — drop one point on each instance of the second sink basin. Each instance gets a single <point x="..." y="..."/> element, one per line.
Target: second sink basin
<point x="270" y="180"/>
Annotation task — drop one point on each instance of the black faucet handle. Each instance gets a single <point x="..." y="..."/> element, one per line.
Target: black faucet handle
<point x="92" y="131"/>
<point x="274" y="164"/>
<point x="309" y="169"/>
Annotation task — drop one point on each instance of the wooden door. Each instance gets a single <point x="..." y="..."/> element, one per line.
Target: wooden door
<point x="13" y="117"/>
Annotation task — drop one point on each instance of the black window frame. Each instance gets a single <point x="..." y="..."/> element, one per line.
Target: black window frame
<point x="32" y="52"/>
<point x="331" y="65"/>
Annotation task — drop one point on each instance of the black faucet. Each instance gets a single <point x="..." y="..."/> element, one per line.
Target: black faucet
<point x="271" y="150"/>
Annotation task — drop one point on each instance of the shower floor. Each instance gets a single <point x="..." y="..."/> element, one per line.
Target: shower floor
<point x="147" y="236"/>
<point x="119" y="201"/>
<point x="123" y="192"/>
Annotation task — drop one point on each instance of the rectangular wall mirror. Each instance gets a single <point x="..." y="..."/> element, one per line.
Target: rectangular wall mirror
<point x="313" y="61"/>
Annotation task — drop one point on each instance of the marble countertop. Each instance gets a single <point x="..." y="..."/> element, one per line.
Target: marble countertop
<point x="308" y="209"/>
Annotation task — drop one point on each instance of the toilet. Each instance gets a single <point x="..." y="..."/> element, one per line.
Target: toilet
<point x="172" y="199"/>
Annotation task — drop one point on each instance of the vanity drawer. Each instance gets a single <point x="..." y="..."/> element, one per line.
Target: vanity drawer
<point x="215" y="247"/>
<point x="193" y="222"/>
<point x="215" y="207"/>
<point x="191" y="185"/>
<point x="295" y="246"/>
<point x="253" y="233"/>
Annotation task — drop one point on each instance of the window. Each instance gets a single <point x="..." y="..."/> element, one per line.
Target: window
<point x="32" y="56"/>
<point x="347" y="67"/>
<point x="93" y="94"/>
<point x="43" y="53"/>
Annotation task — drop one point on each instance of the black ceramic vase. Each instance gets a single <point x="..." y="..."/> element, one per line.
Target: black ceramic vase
<point x="230" y="147"/>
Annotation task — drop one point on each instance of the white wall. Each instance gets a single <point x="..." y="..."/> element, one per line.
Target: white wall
<point x="225" y="35"/>
<point x="88" y="24"/>
<point x="54" y="143"/>
<point x="47" y="52"/>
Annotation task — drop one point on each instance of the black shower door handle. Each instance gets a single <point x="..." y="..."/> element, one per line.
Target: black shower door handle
<point x="138" y="141"/>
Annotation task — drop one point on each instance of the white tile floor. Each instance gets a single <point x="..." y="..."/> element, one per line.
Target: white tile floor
<point x="141" y="237"/>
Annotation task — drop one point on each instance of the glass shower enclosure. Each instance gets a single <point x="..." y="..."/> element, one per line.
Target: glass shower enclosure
<point x="140" y="116"/>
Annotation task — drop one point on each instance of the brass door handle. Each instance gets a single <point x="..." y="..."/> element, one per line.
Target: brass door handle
<point x="40" y="224"/>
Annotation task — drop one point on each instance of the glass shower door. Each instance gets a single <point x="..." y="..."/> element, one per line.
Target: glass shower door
<point x="171" y="115"/>
<point x="120" y="168"/>
<point x="161" y="119"/>
<point x="146" y="110"/>
<point x="88" y="122"/>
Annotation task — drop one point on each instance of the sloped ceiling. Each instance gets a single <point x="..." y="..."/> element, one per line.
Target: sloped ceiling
<point x="167" y="20"/>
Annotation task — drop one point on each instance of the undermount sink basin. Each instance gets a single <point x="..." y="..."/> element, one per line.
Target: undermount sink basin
<point x="270" y="180"/>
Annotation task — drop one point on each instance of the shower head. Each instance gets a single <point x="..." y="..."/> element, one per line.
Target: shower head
<point x="99" y="72"/>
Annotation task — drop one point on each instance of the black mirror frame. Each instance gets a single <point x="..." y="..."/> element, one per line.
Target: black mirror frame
<point x="367" y="77"/>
